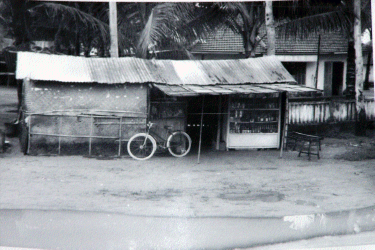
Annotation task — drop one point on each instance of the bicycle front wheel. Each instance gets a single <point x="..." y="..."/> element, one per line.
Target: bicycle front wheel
<point x="179" y="144"/>
<point x="141" y="146"/>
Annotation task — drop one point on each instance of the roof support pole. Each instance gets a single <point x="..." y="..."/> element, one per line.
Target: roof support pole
<point x="284" y="131"/>
<point x="120" y="137"/>
<point x="218" y="125"/>
<point x="60" y="132"/>
<point x="91" y="133"/>
<point x="200" y="133"/>
<point x="317" y="64"/>
<point x="373" y="36"/>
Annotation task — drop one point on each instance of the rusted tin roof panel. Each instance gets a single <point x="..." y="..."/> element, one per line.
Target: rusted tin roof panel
<point x="120" y="70"/>
<point x="246" y="71"/>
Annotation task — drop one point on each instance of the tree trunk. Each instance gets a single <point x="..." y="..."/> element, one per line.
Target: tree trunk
<point x="366" y="85"/>
<point x="19" y="22"/>
<point x="113" y="28"/>
<point x="360" y="107"/>
<point x="350" y="70"/>
<point x="270" y="27"/>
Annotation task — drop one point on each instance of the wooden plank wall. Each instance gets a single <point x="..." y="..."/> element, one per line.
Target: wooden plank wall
<point x="314" y="111"/>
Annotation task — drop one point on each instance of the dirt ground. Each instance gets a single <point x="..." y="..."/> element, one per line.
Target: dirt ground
<point x="235" y="183"/>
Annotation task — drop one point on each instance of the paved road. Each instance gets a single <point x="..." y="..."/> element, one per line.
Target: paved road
<point x="87" y="230"/>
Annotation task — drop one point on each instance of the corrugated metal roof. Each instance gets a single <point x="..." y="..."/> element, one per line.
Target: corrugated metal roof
<point x="47" y="67"/>
<point x="62" y="68"/>
<point x="194" y="90"/>
<point x="262" y="70"/>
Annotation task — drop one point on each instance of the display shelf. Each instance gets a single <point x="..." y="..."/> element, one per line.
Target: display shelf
<point x="254" y="122"/>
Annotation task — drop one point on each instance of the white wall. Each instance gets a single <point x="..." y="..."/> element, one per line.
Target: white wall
<point x="311" y="67"/>
<point x="331" y="58"/>
<point x="371" y="76"/>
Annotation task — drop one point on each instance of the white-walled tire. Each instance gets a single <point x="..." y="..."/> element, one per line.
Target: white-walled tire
<point x="179" y="144"/>
<point x="141" y="146"/>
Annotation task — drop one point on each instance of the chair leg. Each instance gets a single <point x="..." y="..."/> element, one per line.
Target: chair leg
<point x="295" y="145"/>
<point x="309" y="151"/>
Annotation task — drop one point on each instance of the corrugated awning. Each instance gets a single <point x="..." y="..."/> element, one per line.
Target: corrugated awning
<point x="195" y="90"/>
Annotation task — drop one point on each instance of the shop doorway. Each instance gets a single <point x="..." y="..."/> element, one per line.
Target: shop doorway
<point x="210" y="120"/>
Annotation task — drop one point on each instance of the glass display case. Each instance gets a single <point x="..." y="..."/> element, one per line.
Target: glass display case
<point x="254" y="121"/>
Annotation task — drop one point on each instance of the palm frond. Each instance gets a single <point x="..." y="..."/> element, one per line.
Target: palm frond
<point x="69" y="18"/>
<point x="366" y="14"/>
<point x="179" y="23"/>
<point x="162" y="23"/>
<point x="329" y="21"/>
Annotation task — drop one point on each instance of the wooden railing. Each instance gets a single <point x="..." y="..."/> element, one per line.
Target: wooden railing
<point x="325" y="110"/>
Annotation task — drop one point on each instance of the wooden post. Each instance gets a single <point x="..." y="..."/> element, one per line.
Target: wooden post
<point x="91" y="132"/>
<point x="218" y="125"/>
<point x="317" y="64"/>
<point x="119" y="139"/>
<point x="373" y="36"/>
<point x="113" y="28"/>
<point x="60" y="125"/>
<point x="285" y="127"/>
<point x="29" y="136"/>
<point x="200" y="133"/>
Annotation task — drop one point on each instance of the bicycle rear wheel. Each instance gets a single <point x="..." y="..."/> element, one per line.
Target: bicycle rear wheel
<point x="141" y="146"/>
<point x="179" y="144"/>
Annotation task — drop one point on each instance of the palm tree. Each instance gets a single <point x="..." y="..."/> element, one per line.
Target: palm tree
<point x="179" y="25"/>
<point x="270" y="27"/>
<point x="360" y="106"/>
<point x="71" y="25"/>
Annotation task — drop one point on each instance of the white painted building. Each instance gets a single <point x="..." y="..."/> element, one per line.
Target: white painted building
<point x="299" y="56"/>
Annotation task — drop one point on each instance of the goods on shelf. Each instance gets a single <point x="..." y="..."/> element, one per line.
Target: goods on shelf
<point x="254" y="115"/>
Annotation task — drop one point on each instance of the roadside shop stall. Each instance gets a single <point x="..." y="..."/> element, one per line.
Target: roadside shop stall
<point x="68" y="101"/>
<point x="246" y="99"/>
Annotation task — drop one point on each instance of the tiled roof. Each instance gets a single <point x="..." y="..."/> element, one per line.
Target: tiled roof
<point x="226" y="41"/>
<point x="330" y="42"/>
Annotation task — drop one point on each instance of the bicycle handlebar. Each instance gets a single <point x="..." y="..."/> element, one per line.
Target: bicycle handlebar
<point x="150" y="124"/>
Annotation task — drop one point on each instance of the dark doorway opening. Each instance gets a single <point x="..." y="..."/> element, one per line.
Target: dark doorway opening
<point x="210" y="120"/>
<point x="337" y="78"/>
<point x="333" y="78"/>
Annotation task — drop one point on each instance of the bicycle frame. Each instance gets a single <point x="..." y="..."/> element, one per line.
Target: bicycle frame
<point x="178" y="143"/>
<point x="160" y="141"/>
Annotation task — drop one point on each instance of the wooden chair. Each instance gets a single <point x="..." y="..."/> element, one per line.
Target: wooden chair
<point x="309" y="144"/>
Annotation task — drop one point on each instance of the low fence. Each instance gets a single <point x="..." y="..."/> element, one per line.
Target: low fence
<point x="63" y="131"/>
<point x="304" y="111"/>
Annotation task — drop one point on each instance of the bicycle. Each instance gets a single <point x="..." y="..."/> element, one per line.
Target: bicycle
<point x="142" y="146"/>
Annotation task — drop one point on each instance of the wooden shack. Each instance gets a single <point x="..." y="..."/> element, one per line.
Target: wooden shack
<point x="90" y="106"/>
